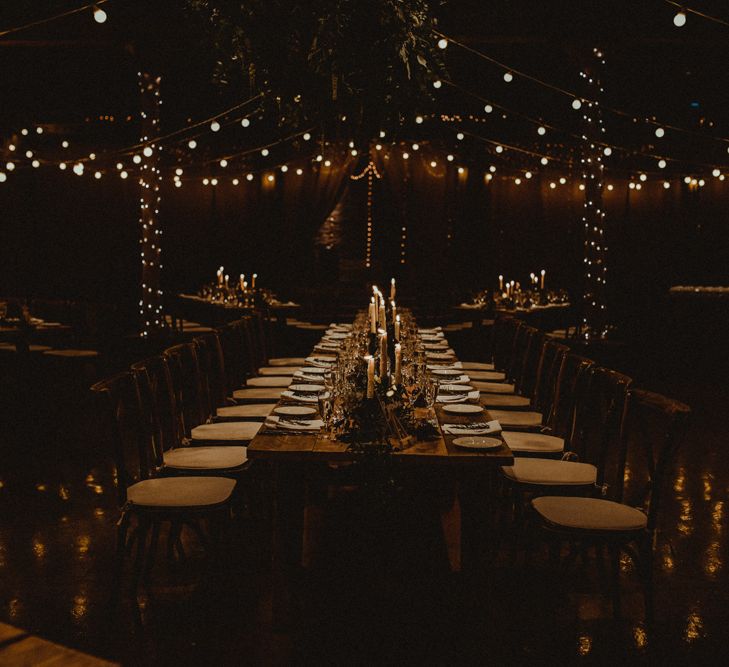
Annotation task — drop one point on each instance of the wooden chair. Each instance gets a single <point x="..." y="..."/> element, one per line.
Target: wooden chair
<point x="653" y="428"/>
<point x="148" y="500"/>
<point x="553" y="438"/>
<point x="595" y="434"/>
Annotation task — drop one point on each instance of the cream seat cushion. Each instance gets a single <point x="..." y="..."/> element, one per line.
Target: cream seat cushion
<point x="490" y="376"/>
<point x="523" y="441"/>
<point x="492" y="387"/>
<point x="504" y="401"/>
<point x="517" y="419"/>
<point x="227" y="431"/>
<point x="205" y="458"/>
<point x="278" y="370"/>
<point x="260" y="410"/>
<point x="287" y="361"/>
<point x="548" y="472"/>
<point x="258" y="394"/>
<point x="269" y="381"/>
<point x="589" y="514"/>
<point x="477" y="366"/>
<point x="181" y="491"/>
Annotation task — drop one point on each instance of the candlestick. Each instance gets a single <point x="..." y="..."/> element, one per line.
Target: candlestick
<point x="397" y="328"/>
<point x="501" y="283"/>
<point x="383" y="354"/>
<point x="227" y="278"/>
<point x="392" y="289"/>
<point x="398" y="363"/>
<point x="370" y="376"/>
<point x="382" y="318"/>
<point x="394" y="310"/>
<point x="242" y="280"/>
<point x="373" y="316"/>
<point x="543" y="273"/>
<point x="220" y="277"/>
<point x="253" y="281"/>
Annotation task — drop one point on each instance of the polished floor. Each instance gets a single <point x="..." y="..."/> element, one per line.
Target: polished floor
<point x="372" y="594"/>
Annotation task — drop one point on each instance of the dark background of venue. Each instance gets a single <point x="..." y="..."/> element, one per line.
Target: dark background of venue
<point x="71" y="237"/>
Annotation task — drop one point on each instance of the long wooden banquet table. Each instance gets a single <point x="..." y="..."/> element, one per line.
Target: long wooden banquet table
<point x="297" y="460"/>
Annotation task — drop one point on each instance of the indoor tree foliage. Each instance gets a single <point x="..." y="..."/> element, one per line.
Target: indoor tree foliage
<point x="369" y="62"/>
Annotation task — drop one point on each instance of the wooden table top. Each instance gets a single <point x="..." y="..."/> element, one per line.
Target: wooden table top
<point x="439" y="450"/>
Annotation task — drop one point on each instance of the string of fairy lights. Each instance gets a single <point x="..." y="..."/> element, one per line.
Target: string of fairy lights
<point x="371" y="172"/>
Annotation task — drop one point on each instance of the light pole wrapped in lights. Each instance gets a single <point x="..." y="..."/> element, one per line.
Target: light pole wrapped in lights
<point x="150" y="301"/>
<point x="594" y="307"/>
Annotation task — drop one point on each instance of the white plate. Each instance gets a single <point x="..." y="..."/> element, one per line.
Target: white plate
<point x="456" y="388"/>
<point x="447" y="371"/>
<point x="306" y="387"/>
<point x="440" y="355"/>
<point x="463" y="409"/>
<point x="477" y="442"/>
<point x="294" y="410"/>
<point x="337" y="335"/>
<point x="313" y="370"/>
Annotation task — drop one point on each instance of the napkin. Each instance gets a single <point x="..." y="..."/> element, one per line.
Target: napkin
<point x="456" y="365"/>
<point x="457" y="398"/>
<point x="452" y="379"/>
<point x="475" y="428"/>
<point x="293" y="424"/>
<point x="324" y="361"/>
<point x="305" y="398"/>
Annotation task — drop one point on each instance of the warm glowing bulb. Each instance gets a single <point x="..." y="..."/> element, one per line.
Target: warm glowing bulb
<point x="631" y="185"/>
<point x="660" y="132"/>
<point x="35" y="164"/>
<point x="3" y="177"/>
<point x="460" y="136"/>
<point x="488" y="108"/>
<point x="461" y="170"/>
<point x="562" y="180"/>
<point x="680" y="19"/>
<point x="97" y="175"/>
<point x="552" y="185"/>
<point x="442" y="43"/>
<point x="508" y="77"/>
<point x="517" y="181"/>
<point x="642" y="177"/>
<point x="437" y="83"/>
<point x="148" y="151"/>
<point x="214" y="181"/>
<point x="29" y="154"/>
<point x="544" y="161"/>
<point x="418" y="119"/>
<point x="416" y="147"/>
<point x="405" y="156"/>
<point x="192" y="144"/>
<point x="270" y="178"/>
<point x="64" y="143"/>
<point x="223" y="163"/>
<point x="245" y="122"/>
<point x="716" y="173"/>
<point x="299" y="171"/>
<point x="123" y="174"/>
<point x="284" y="168"/>
<point x="62" y="166"/>
<point x="264" y="152"/>
<point x="666" y="185"/>
<point x="687" y="180"/>
<point x="353" y="152"/>
<point x="39" y="130"/>
<point x="319" y="158"/>
<point x="528" y="174"/>
<point x="99" y="15"/>
<point x="449" y="158"/>
<point x="576" y="104"/>
<point x="249" y="177"/>
<point x="499" y="149"/>
<point x="178" y="171"/>
<point x="378" y="147"/>
<point x="661" y="164"/>
<point x="215" y="126"/>
<point x="306" y="136"/>
<point x="541" y="131"/>
<point x="610" y="187"/>
<point x="78" y="168"/>
<point x="607" y="151"/>
<point x="205" y="181"/>
<point x="433" y="163"/>
<point x="492" y="169"/>
<point x="136" y="159"/>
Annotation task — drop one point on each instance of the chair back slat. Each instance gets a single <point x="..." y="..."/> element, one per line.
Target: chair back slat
<point x="653" y="429"/>
<point x="526" y="382"/>
<point x="505" y="329"/>
<point x="117" y="405"/>
<point x="572" y="382"/>
<point x="186" y="384"/>
<point x="212" y="372"/>
<point x="550" y="364"/>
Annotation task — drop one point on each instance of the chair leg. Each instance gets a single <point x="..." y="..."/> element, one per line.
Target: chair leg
<point x="142" y="532"/>
<point x="172" y="538"/>
<point x="646" y="570"/>
<point x="151" y="552"/>
<point x="614" y="551"/>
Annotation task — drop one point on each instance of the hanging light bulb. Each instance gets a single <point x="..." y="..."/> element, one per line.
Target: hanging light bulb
<point x="306" y="136"/>
<point x="416" y="147"/>
<point x="178" y="171"/>
<point x="680" y="19"/>
<point x="192" y="144"/>
<point x="97" y="175"/>
<point x="148" y="151"/>
<point x="437" y="83"/>
<point x="661" y="164"/>
<point x="576" y="103"/>
<point x="418" y="119"/>
<point x="442" y="43"/>
<point x="245" y="122"/>
<point x="528" y="174"/>
<point x="660" y="132"/>
<point x="607" y="151"/>
<point x="488" y="108"/>
<point x="284" y="168"/>
<point x="3" y="177"/>
<point x="64" y="144"/>
<point x="223" y="163"/>
<point x="215" y="126"/>
<point x="136" y="159"/>
<point x="264" y="152"/>
<point x="405" y="156"/>
<point x="299" y="171"/>
<point x="99" y="15"/>
<point x="460" y="136"/>
<point x="62" y="166"/>
<point x="716" y="173"/>
<point x="508" y="77"/>
<point x="78" y="168"/>
<point x="123" y="174"/>
<point x="449" y="158"/>
<point x="35" y="164"/>
<point x="499" y="149"/>
<point x="666" y="185"/>
<point x="544" y="161"/>
<point x="541" y="131"/>
<point x="249" y="177"/>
